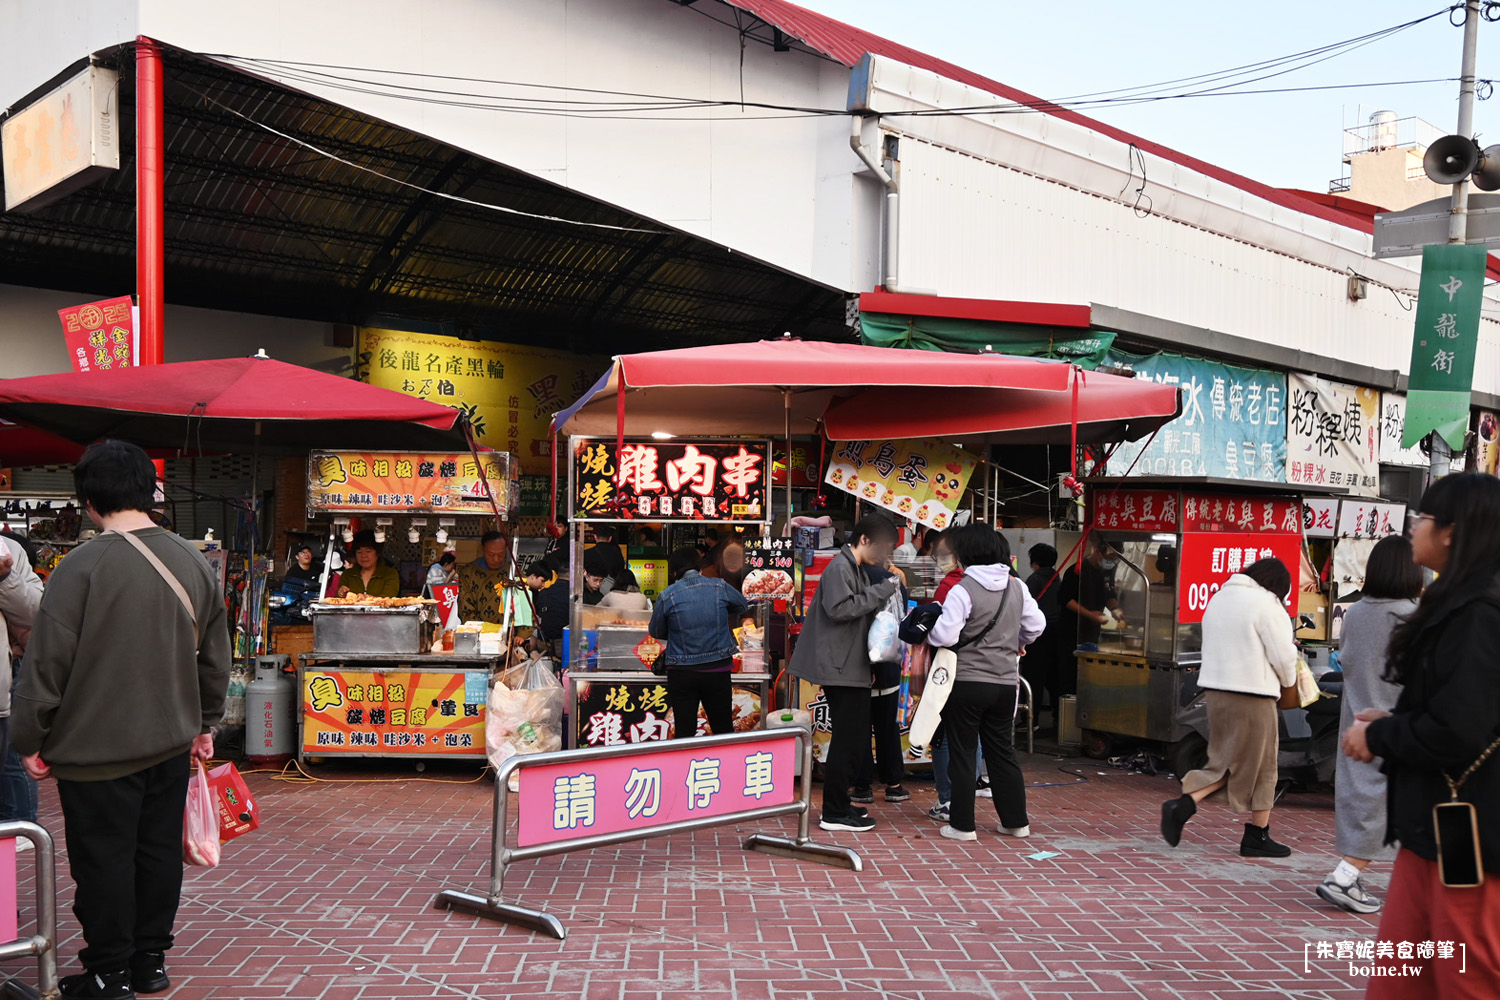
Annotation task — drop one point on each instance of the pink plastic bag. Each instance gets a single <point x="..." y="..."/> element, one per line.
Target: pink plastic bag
<point x="200" y="823"/>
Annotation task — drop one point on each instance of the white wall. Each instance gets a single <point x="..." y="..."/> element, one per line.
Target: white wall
<point x="31" y="336"/>
<point x="41" y="38"/>
<point x="776" y="190"/>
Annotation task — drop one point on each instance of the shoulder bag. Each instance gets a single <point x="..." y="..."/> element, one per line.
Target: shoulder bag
<point x="166" y="574"/>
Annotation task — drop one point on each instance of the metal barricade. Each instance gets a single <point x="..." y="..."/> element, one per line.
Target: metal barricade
<point x="493" y="905"/>
<point x="44" y="943"/>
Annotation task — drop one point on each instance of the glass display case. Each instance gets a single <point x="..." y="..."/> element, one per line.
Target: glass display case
<point x="1141" y="573"/>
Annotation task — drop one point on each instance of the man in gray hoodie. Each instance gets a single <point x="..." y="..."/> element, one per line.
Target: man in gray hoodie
<point x="124" y="681"/>
<point x="833" y="652"/>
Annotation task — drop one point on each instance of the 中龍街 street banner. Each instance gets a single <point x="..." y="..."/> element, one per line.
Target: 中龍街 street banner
<point x="919" y="480"/>
<point x="1444" y="343"/>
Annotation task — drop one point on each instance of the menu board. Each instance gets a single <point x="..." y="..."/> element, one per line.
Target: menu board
<point x="770" y="568"/>
<point x="671" y="481"/>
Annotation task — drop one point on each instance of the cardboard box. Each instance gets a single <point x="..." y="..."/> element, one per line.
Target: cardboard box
<point x="1315" y="606"/>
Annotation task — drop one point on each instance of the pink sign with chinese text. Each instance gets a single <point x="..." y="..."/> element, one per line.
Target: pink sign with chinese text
<point x="594" y="797"/>
<point x="8" y="916"/>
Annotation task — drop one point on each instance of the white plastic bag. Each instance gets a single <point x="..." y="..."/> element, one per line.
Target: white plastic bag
<point x="884" y="643"/>
<point x="200" y="823"/>
<point x="934" y="696"/>
<point x="525" y="712"/>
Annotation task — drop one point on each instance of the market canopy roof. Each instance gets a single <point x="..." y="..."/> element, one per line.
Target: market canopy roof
<point x="861" y="392"/>
<point x="228" y="405"/>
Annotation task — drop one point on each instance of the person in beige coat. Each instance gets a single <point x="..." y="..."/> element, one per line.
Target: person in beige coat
<point x="1249" y="655"/>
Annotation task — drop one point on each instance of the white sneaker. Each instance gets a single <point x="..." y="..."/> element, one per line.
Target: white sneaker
<point x="1014" y="831"/>
<point x="982" y="789"/>
<point x="953" y="834"/>
<point x="1354" y="898"/>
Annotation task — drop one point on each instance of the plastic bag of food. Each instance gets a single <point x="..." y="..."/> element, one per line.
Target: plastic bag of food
<point x="885" y="645"/>
<point x="525" y="712"/>
<point x="200" y="823"/>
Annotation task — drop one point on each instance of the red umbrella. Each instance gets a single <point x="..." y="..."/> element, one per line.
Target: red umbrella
<point x="225" y="406"/>
<point x="25" y="446"/>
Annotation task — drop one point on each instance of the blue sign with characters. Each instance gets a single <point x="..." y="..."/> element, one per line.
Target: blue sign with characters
<point x="1233" y="422"/>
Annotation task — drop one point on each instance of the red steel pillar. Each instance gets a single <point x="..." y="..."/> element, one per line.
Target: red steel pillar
<point x="150" y="214"/>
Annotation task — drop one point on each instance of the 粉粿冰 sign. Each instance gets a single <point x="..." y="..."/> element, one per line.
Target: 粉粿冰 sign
<point x="1333" y="435"/>
<point x="568" y="801"/>
<point x="919" y="480"/>
<point x="402" y="481"/>
<point x="1393" y="429"/>
<point x="394" y="713"/>
<point x="670" y="480"/>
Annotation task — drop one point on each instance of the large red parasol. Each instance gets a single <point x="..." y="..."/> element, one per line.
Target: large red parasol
<point x="225" y="406"/>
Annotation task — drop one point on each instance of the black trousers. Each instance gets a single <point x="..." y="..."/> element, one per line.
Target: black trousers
<point x="987" y="711"/>
<point x="848" y="745"/>
<point x="1037" y="666"/>
<point x="125" y="850"/>
<point x="889" y="764"/>
<point x="714" y="690"/>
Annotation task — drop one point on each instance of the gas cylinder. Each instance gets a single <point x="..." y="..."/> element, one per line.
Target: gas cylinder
<point x="270" y="726"/>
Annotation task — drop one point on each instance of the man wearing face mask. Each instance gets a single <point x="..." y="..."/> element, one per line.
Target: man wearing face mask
<point x="1082" y="597"/>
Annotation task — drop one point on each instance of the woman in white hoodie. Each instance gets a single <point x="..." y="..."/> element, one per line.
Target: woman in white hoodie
<point x="1248" y="656"/>
<point x="987" y="620"/>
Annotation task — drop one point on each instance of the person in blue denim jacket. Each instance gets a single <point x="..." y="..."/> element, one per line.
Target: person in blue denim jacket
<point x="692" y="617"/>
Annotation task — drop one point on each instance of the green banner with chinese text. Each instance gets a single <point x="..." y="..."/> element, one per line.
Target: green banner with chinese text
<point x="1443" y="345"/>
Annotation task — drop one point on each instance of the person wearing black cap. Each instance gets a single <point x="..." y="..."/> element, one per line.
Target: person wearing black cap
<point x="304" y="565"/>
<point x="369" y="575"/>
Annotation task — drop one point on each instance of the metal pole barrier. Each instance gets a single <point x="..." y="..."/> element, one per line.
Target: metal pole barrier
<point x="44" y="943"/>
<point x="493" y="906"/>
<point x="1030" y="717"/>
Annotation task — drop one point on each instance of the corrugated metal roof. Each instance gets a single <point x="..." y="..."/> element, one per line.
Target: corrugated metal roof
<point x="847" y="43"/>
<point x="257" y="223"/>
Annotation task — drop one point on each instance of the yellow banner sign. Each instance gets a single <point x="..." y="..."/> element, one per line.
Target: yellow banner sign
<point x="399" y="481"/>
<point x="920" y="480"/>
<point x="509" y="392"/>
<point x="394" y="713"/>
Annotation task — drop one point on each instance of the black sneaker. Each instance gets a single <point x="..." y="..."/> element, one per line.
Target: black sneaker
<point x="895" y="793"/>
<point x="862" y="793"/>
<point x="982" y="789"/>
<point x="1257" y="843"/>
<point x="148" y="972"/>
<point x="99" y="985"/>
<point x="854" y="823"/>
<point x="1174" y="816"/>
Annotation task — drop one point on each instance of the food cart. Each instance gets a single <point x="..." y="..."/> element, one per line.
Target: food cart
<point x="1176" y="540"/>
<point x="380" y="680"/>
<point x="682" y="485"/>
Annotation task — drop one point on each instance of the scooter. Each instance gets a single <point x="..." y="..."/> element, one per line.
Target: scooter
<point x="1308" y="748"/>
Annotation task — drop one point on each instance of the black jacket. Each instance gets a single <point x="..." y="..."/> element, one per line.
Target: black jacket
<point x="551" y="605"/>
<point x="1448" y="713"/>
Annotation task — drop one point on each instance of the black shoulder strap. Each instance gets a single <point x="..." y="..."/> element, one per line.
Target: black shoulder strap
<point x="1010" y="582"/>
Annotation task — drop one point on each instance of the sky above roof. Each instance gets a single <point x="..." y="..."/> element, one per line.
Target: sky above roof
<point x="1286" y="139"/>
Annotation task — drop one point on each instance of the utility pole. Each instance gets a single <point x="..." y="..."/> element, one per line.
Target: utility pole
<point x="1440" y="458"/>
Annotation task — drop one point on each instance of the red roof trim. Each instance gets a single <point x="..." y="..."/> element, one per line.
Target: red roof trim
<point x="847" y="43"/>
<point x="990" y="310"/>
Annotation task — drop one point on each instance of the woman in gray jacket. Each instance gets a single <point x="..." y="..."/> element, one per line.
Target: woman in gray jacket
<point x="1393" y="582"/>
<point x="833" y="652"/>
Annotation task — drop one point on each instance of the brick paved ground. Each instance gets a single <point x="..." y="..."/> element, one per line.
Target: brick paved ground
<point x="332" y="899"/>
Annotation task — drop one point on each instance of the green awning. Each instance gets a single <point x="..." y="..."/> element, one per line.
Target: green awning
<point x="965" y="336"/>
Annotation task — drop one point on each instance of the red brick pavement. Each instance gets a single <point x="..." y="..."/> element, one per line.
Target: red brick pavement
<point x="332" y="900"/>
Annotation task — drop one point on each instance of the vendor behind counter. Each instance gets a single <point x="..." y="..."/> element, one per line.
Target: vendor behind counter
<point x="370" y="574"/>
<point x="484" y="584"/>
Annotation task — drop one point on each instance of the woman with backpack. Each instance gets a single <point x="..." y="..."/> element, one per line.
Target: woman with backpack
<point x="987" y="619"/>
<point x="1440" y="748"/>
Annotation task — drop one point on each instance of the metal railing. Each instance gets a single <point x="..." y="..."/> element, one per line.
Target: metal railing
<point x="493" y="905"/>
<point x="43" y="944"/>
